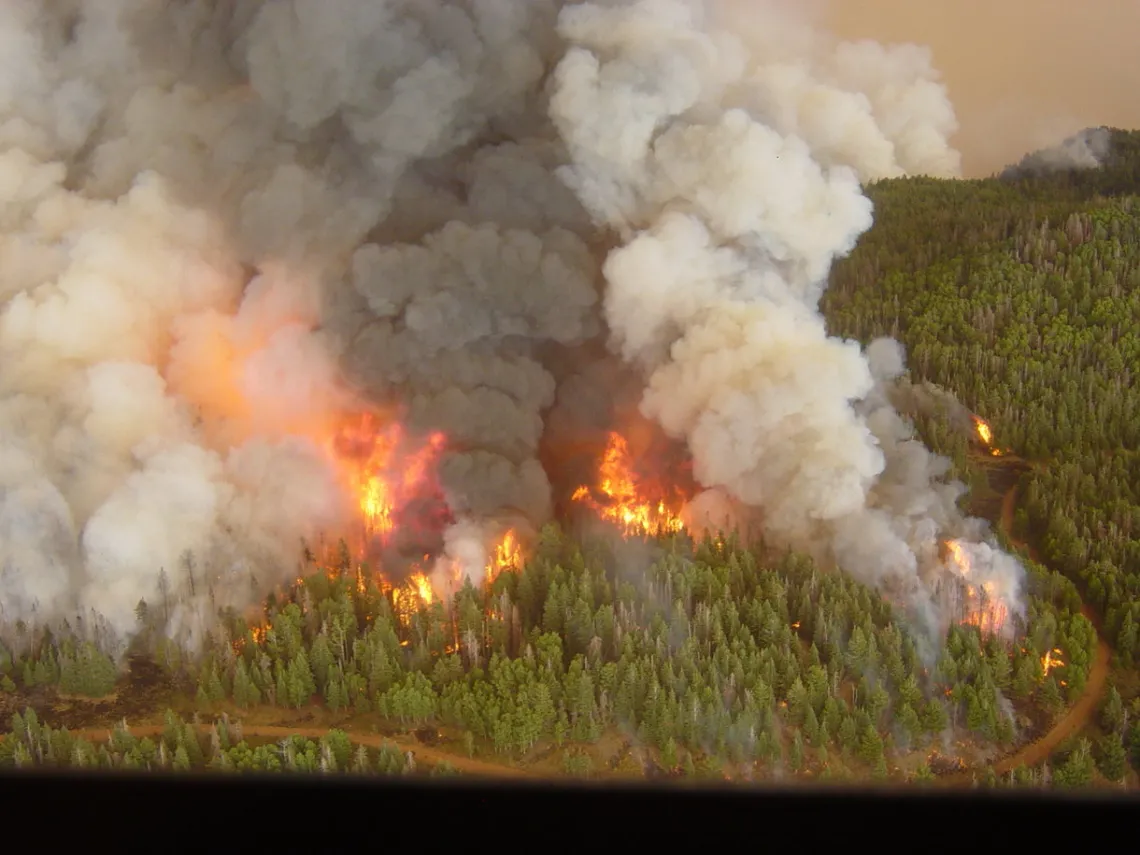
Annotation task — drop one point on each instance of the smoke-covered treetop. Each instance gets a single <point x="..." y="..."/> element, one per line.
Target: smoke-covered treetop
<point x="1103" y="161"/>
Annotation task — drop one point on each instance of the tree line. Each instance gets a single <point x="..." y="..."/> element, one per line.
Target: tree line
<point x="717" y="655"/>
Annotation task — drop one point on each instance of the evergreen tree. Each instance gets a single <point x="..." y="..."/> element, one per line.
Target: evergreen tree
<point x="1112" y="711"/>
<point x="1112" y="759"/>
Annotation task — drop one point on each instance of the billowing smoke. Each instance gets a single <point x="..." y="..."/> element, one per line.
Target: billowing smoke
<point x="228" y="224"/>
<point x="681" y="143"/>
<point x="1086" y="150"/>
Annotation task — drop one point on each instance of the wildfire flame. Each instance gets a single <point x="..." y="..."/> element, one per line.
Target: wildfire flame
<point x="1052" y="659"/>
<point x="623" y="502"/>
<point x="984" y="606"/>
<point x="414" y="594"/>
<point x="423" y="588"/>
<point x="986" y="435"/>
<point x="507" y="555"/>
<point x="256" y="633"/>
<point x="385" y="469"/>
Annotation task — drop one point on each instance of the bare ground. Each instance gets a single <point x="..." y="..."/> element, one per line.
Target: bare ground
<point x="1081" y="713"/>
<point x="420" y="752"/>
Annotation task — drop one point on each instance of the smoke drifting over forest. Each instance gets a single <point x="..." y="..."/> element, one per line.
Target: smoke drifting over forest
<point x="227" y="225"/>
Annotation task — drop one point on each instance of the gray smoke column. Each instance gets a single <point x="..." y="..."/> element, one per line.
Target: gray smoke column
<point x="228" y="225"/>
<point x="733" y="191"/>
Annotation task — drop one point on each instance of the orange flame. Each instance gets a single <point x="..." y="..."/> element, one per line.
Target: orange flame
<point x="1052" y="659"/>
<point x="423" y="588"/>
<point x="383" y="475"/>
<point x="507" y="556"/>
<point x="986" y="435"/>
<point x="384" y="470"/>
<point x="409" y="598"/>
<point x="624" y="504"/>
<point x="257" y="633"/>
<point x="984" y="607"/>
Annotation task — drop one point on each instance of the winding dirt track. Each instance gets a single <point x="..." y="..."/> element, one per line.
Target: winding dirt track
<point x="1083" y="710"/>
<point x="419" y="751"/>
<point x="1030" y="755"/>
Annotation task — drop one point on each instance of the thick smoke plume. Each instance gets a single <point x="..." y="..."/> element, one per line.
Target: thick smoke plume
<point x="227" y="225"/>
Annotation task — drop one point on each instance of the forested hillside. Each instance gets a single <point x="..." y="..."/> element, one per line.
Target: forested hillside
<point x="716" y="658"/>
<point x="1022" y="295"/>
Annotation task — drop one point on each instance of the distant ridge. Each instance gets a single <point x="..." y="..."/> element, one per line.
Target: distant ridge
<point x="1100" y="161"/>
<point x="1086" y="149"/>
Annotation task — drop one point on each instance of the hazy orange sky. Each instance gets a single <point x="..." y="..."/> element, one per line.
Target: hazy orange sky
<point x="1021" y="73"/>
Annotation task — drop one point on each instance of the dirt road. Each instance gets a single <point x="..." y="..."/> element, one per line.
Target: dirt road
<point x="1083" y="710"/>
<point x="467" y="765"/>
<point x="1030" y="755"/>
<point x="1074" y="720"/>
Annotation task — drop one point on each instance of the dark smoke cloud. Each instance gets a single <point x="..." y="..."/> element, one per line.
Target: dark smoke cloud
<point x="227" y="224"/>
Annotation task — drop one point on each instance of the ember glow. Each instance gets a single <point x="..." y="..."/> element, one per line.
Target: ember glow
<point x="984" y="605"/>
<point x="623" y="497"/>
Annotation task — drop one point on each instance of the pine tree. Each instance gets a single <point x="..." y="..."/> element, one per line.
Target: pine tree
<point x="1112" y="712"/>
<point x="796" y="755"/>
<point x="333" y="696"/>
<point x="1077" y="770"/>
<point x="1112" y="759"/>
<point x="281" y="688"/>
<point x="870" y="746"/>
<point x="245" y="692"/>
<point x="203" y="695"/>
<point x="181" y="759"/>
<point x="934" y="716"/>
<point x="215" y="689"/>
<point x="688" y="766"/>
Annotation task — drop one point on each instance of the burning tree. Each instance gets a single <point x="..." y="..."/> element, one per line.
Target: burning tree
<point x="983" y="605"/>
<point x="639" y="503"/>
<point x="985" y="437"/>
<point x="391" y="474"/>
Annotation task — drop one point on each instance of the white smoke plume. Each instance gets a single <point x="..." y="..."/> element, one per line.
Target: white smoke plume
<point x="226" y="224"/>
<point x="730" y="221"/>
<point x="1085" y="150"/>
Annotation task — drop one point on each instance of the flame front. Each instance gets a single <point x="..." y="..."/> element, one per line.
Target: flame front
<point x="984" y="606"/>
<point x="623" y="502"/>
